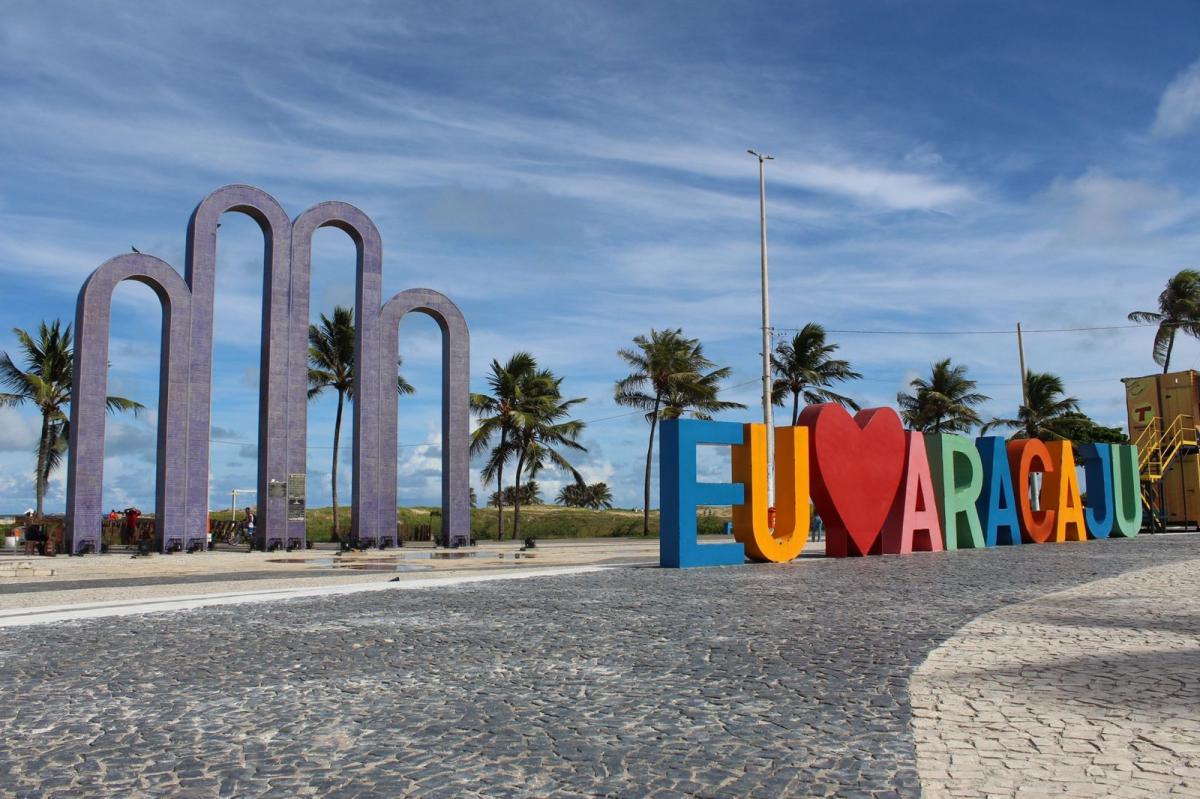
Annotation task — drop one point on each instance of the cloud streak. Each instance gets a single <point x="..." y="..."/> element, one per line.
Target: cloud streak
<point x="574" y="176"/>
<point x="1179" y="108"/>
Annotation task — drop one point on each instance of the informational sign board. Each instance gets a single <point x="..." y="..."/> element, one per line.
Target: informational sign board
<point x="295" y="497"/>
<point x="276" y="489"/>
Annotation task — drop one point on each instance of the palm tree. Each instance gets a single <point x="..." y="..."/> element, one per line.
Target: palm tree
<point x="1178" y="309"/>
<point x="1049" y="412"/>
<point x="806" y="369"/>
<point x="531" y="494"/>
<point x="599" y="497"/>
<point x="541" y="431"/>
<point x="331" y="365"/>
<point x="46" y="384"/>
<point x="497" y="416"/>
<point x="596" y="496"/>
<point x="943" y="404"/>
<point x="669" y="380"/>
<point x="572" y="495"/>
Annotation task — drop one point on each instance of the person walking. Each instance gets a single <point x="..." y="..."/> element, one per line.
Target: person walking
<point x="249" y="524"/>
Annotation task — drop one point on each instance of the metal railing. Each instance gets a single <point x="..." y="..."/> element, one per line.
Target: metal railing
<point x="1157" y="448"/>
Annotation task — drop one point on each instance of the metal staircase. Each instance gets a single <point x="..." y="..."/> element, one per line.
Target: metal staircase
<point x="1157" y="448"/>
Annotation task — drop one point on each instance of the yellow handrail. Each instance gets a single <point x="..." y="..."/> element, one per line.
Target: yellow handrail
<point x="1157" y="449"/>
<point x="1147" y="444"/>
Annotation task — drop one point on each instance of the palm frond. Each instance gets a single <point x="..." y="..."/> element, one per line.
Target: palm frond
<point x="119" y="404"/>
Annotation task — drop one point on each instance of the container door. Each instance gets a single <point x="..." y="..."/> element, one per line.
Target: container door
<point x="1173" y="483"/>
<point x="1190" y="512"/>
<point x="1141" y="400"/>
<point x="1178" y="398"/>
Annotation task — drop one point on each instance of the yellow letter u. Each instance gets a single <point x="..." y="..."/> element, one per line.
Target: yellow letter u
<point x="751" y="526"/>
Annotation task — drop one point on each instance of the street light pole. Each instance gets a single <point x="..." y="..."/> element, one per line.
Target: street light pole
<point x="766" y="327"/>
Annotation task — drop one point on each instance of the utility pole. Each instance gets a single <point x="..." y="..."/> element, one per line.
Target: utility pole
<point x="1035" y="481"/>
<point x="766" y="327"/>
<point x="1021" y="354"/>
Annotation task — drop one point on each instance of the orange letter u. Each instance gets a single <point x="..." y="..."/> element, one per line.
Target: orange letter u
<point x="751" y="526"/>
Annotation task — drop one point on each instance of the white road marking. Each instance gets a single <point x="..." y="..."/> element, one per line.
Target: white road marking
<point x="23" y="617"/>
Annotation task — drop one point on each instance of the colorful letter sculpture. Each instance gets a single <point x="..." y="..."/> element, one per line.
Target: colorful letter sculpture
<point x="680" y="494"/>
<point x="957" y="481"/>
<point x="1127" y="497"/>
<point x="997" y="504"/>
<point x="857" y="464"/>
<point x="1062" y="488"/>
<point x="1026" y="457"/>
<point x="881" y="490"/>
<point x="913" y="522"/>
<point x="1097" y="463"/>
<point x="750" y="519"/>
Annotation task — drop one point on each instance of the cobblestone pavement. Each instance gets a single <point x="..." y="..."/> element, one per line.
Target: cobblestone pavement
<point x="763" y="681"/>
<point x="1088" y="692"/>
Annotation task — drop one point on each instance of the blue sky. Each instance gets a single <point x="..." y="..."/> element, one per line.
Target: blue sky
<point x="573" y="174"/>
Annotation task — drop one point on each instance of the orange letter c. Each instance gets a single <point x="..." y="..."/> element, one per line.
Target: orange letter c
<point x="1025" y="456"/>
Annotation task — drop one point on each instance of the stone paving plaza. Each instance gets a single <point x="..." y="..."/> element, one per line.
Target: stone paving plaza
<point x="951" y="674"/>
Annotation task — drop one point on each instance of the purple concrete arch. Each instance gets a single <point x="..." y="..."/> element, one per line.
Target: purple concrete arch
<point x="456" y="419"/>
<point x="85" y="465"/>
<point x="274" y="434"/>
<point x="367" y="294"/>
<point x="185" y="400"/>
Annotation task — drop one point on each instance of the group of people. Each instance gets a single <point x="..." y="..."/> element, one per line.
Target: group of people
<point x="129" y="534"/>
<point x="32" y="529"/>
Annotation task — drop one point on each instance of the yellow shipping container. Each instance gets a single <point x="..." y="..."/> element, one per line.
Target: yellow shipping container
<point x="1159" y="401"/>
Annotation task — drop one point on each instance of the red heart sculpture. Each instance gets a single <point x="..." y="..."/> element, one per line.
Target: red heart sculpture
<point x="856" y="465"/>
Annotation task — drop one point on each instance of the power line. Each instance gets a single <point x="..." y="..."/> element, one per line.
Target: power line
<point x="969" y="332"/>
<point x="610" y="418"/>
<point x="755" y="381"/>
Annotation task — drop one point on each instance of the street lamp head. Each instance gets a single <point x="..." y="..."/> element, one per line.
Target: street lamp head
<point x="761" y="156"/>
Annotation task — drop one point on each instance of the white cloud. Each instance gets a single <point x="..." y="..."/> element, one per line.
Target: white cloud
<point x="1102" y="207"/>
<point x="597" y="470"/>
<point x="18" y="430"/>
<point x="1179" y="106"/>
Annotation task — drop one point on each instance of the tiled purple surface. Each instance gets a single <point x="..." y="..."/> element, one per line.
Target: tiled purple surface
<point x="185" y="396"/>
<point x="85" y="464"/>
<point x="456" y="353"/>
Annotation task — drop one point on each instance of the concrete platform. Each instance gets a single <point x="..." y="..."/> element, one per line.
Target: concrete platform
<point x="117" y="576"/>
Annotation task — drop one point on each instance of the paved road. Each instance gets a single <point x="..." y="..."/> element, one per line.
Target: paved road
<point x="752" y="681"/>
<point x="1090" y="692"/>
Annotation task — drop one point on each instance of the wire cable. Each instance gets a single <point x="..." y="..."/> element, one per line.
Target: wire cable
<point x="970" y="332"/>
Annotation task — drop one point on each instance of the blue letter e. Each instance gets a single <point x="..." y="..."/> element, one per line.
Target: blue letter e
<point x="679" y="494"/>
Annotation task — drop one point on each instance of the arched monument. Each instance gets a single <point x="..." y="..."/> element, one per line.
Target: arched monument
<point x="185" y="383"/>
